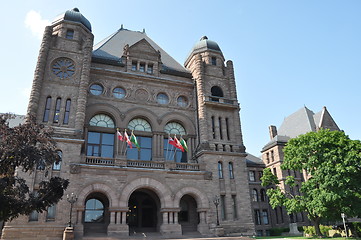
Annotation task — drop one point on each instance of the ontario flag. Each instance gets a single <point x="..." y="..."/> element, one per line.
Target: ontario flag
<point x="184" y="144"/>
<point x="120" y="136"/>
<point x="175" y="142"/>
<point x="134" y="140"/>
<point x="126" y="139"/>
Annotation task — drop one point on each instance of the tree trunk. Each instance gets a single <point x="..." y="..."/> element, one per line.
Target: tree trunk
<point x="316" y="224"/>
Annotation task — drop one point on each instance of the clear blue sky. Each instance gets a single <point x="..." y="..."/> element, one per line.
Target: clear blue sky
<point x="286" y="54"/>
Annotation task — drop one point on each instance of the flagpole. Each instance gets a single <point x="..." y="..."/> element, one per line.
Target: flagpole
<point x="166" y="155"/>
<point x="175" y="149"/>
<point x="117" y="142"/>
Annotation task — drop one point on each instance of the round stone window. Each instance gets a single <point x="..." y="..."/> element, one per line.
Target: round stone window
<point x="119" y="92"/>
<point x="162" y="98"/>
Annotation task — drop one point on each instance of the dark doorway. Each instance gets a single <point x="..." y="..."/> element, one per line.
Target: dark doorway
<point x="188" y="215"/>
<point x="144" y="214"/>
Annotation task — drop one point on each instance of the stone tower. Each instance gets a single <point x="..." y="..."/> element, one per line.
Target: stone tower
<point x="62" y="73"/>
<point x="220" y="147"/>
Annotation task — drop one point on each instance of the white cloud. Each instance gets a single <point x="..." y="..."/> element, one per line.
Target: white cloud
<point x="35" y="23"/>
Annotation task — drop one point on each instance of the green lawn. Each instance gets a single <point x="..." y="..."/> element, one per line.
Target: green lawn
<point x="326" y="238"/>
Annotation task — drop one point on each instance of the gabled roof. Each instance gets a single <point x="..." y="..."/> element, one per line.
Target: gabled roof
<point x="112" y="48"/>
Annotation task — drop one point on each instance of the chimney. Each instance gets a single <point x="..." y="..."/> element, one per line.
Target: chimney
<point x="272" y="131"/>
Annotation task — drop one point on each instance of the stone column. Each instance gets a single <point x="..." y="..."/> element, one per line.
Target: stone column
<point x="83" y="86"/>
<point x="39" y="72"/>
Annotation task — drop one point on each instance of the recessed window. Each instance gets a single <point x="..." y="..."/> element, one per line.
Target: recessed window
<point x="101" y="120"/>
<point x="134" y="66"/>
<point x="230" y="168"/>
<point x="150" y="68"/>
<point x="214" y="61"/>
<point x="144" y="153"/>
<point x="96" y="89"/>
<point x="162" y="98"/>
<point x="182" y="101"/>
<point x="252" y="176"/>
<point x="220" y="170"/>
<point x="70" y="34"/>
<point x="50" y="213"/>
<point x="142" y="67"/>
<point x="57" y="165"/>
<point x="119" y="92"/>
<point x="57" y="110"/>
<point x="67" y="111"/>
<point x="174" y="128"/>
<point x="100" y="144"/>
<point x="216" y="91"/>
<point x="47" y="109"/>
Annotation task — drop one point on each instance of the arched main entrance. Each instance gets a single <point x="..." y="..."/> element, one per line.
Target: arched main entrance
<point x="144" y="214"/>
<point x="96" y="214"/>
<point x="188" y="215"/>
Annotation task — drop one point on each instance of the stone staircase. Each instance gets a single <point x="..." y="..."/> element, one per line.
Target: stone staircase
<point x="156" y="236"/>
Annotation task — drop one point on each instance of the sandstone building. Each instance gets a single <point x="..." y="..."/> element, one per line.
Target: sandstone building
<point x="128" y="82"/>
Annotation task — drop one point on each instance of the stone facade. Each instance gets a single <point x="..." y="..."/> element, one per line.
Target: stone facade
<point x="128" y="83"/>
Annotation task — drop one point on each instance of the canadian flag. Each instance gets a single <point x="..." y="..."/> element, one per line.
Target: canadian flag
<point x="175" y="142"/>
<point x="120" y="136"/>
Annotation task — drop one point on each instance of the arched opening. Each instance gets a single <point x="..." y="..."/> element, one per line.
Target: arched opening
<point x="188" y="216"/>
<point x="96" y="215"/>
<point x="216" y="93"/>
<point x="144" y="214"/>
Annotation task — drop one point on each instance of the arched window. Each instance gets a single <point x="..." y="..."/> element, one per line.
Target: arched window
<point x="263" y="195"/>
<point x="101" y="120"/>
<point x="216" y="91"/>
<point x="254" y="195"/>
<point x="94" y="211"/>
<point x="230" y="168"/>
<point x="47" y="109"/>
<point x="67" y="111"/>
<point x="174" y="128"/>
<point x="145" y="141"/>
<point x="139" y="124"/>
<point x="57" y="165"/>
<point x="100" y="144"/>
<point x="220" y="170"/>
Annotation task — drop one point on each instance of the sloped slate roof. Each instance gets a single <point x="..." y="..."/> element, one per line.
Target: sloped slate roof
<point x="111" y="48"/>
<point x="75" y="16"/>
<point x="252" y="160"/>
<point x="298" y="123"/>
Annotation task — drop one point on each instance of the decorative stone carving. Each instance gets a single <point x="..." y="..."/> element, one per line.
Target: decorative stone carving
<point x="208" y="175"/>
<point x="74" y="169"/>
<point x="141" y="94"/>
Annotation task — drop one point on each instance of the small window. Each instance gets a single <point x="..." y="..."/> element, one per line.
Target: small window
<point x="34" y="215"/>
<point x="182" y="101"/>
<point x="96" y="89"/>
<point x="134" y="66"/>
<point x="214" y="61"/>
<point x="275" y="172"/>
<point x="119" y="92"/>
<point x="223" y="207"/>
<point x="70" y="34"/>
<point x="220" y="170"/>
<point x="220" y="127"/>
<point x="235" y="215"/>
<point x="257" y="217"/>
<point x="47" y="109"/>
<point x="67" y="111"/>
<point x="230" y="167"/>
<point x="162" y="98"/>
<point x="150" y="68"/>
<point x="213" y="128"/>
<point x="50" y="213"/>
<point x="227" y="129"/>
<point x="255" y="195"/>
<point x="57" y="165"/>
<point x="216" y="91"/>
<point x="57" y="110"/>
<point x="252" y="177"/>
<point x="263" y="195"/>
<point x="142" y="67"/>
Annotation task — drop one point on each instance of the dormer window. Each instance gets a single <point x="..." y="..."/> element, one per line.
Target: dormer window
<point x="134" y="66"/>
<point x="69" y="34"/>
<point x="214" y="61"/>
<point x="142" y="67"/>
<point x="150" y="68"/>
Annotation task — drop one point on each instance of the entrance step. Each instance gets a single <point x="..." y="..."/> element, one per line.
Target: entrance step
<point x="154" y="236"/>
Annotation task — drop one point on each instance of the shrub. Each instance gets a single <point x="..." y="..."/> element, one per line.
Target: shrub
<point x="278" y="231"/>
<point x="310" y="230"/>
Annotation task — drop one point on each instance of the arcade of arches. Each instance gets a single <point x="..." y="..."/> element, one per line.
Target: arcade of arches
<point x="148" y="210"/>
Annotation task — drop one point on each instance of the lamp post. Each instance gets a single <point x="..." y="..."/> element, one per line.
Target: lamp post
<point x="216" y="203"/>
<point x="72" y="198"/>
<point x="344" y="224"/>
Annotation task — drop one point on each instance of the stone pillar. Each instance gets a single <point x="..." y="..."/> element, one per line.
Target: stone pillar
<point x="175" y="217"/>
<point x="202" y="227"/>
<point x="83" y="87"/>
<point x="68" y="233"/>
<point x="170" y="225"/>
<point x="39" y="72"/>
<point x="118" y="226"/>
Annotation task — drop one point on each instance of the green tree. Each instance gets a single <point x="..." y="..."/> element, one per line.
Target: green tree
<point x="332" y="162"/>
<point x="25" y="148"/>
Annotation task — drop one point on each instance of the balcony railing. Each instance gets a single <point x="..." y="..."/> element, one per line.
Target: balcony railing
<point x="142" y="164"/>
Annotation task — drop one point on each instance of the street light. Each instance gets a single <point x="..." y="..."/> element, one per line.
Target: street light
<point x="344" y="224"/>
<point x="216" y="202"/>
<point x="71" y="199"/>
